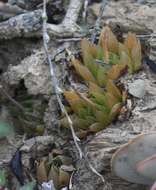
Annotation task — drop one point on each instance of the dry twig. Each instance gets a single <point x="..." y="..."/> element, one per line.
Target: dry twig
<point x="98" y="21"/>
<point x="54" y="80"/>
<point x="30" y="24"/>
<point x="58" y="90"/>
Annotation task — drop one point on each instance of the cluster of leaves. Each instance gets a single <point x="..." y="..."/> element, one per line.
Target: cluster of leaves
<point x="101" y="65"/>
<point x="57" y="168"/>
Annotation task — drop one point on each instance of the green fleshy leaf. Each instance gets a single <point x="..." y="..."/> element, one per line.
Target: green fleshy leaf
<point x="113" y="58"/>
<point x="102" y="117"/>
<point x="101" y="76"/>
<point x="100" y="54"/>
<point x="99" y="98"/>
<point x="95" y="127"/>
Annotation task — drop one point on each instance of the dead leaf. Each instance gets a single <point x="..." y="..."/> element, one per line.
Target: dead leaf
<point x="54" y="176"/>
<point x="64" y="178"/>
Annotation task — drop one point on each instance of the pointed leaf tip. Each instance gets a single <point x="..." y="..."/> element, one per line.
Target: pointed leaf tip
<point x="82" y="70"/>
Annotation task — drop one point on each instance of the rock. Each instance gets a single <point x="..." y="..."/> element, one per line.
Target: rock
<point x="35" y="73"/>
<point x="137" y="88"/>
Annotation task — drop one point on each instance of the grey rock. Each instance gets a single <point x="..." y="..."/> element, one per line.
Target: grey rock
<point x="137" y="88"/>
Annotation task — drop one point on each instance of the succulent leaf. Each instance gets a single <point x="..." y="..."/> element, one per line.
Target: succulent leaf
<point x="89" y="50"/>
<point x="95" y="127"/>
<point x="113" y="58"/>
<point x="125" y="59"/>
<point x="54" y="176"/>
<point x="99" y="98"/>
<point x="122" y="48"/>
<point x="82" y="70"/>
<point x="116" y="71"/>
<point x="130" y="41"/>
<point x="115" y="111"/>
<point x="41" y="172"/>
<point x="64" y="178"/>
<point x="102" y="117"/>
<point x="74" y="100"/>
<point x="108" y="40"/>
<point x="112" y="89"/>
<point x="111" y="100"/>
<point x="94" y="88"/>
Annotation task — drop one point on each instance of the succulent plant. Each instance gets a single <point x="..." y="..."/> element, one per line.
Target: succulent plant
<point x="101" y="65"/>
<point x="109" y="58"/>
<point x="136" y="160"/>
<point x="96" y="110"/>
<point x="57" y="168"/>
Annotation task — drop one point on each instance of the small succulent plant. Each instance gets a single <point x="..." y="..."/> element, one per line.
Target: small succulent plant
<point x="96" y="110"/>
<point x="56" y="169"/>
<point x="136" y="160"/>
<point x="100" y="66"/>
<point x="109" y="58"/>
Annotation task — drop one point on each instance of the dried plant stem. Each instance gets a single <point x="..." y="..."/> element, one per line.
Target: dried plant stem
<point x="97" y="23"/>
<point x="58" y="90"/>
<point x="85" y="11"/>
<point x="54" y="80"/>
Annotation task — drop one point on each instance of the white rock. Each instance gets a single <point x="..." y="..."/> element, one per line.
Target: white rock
<point x="137" y="88"/>
<point x="48" y="185"/>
